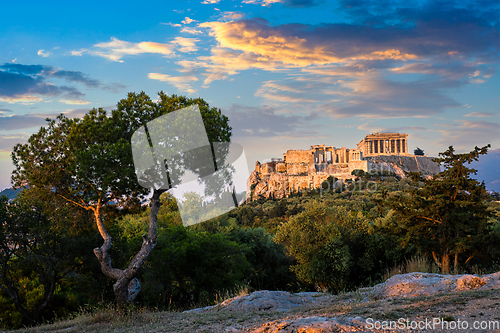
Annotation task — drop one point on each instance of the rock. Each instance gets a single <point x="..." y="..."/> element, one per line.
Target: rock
<point x="265" y="300"/>
<point x="422" y="284"/>
<point x="314" y="325"/>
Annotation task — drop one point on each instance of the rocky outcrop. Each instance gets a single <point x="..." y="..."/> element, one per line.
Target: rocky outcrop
<point x="266" y="300"/>
<point x="263" y="300"/>
<point x="400" y="164"/>
<point x="424" y="284"/>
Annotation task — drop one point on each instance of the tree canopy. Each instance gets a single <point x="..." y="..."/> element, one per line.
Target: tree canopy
<point x="88" y="162"/>
<point x="446" y="216"/>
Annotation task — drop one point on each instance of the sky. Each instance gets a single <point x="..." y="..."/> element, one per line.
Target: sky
<point x="288" y="73"/>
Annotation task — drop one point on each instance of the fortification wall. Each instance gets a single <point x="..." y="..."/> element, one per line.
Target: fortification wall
<point x="422" y="164"/>
<point x="358" y="165"/>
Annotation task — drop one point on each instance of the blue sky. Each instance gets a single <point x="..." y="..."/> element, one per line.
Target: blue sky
<point x="288" y="73"/>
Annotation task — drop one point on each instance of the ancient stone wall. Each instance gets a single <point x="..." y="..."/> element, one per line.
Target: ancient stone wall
<point x="358" y="165"/>
<point x="407" y="163"/>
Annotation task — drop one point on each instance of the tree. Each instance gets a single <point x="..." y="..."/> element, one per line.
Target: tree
<point x="446" y="216"/>
<point x="88" y="162"/>
<point x="418" y="152"/>
<point x="34" y="257"/>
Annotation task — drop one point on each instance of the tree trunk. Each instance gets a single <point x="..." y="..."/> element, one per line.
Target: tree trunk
<point x="445" y="268"/>
<point x="444" y="263"/>
<point x="127" y="286"/>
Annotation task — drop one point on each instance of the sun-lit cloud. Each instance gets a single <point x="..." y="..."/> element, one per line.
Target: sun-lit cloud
<point x="231" y="16"/>
<point x="210" y="1"/>
<point x="185" y="44"/>
<point x="176" y="25"/>
<point x="187" y="20"/>
<point x="44" y="54"/>
<point x="116" y="49"/>
<point x="74" y="102"/>
<point x="481" y="114"/>
<point x="191" y="30"/>
<point x="180" y="82"/>
<point x="21" y="99"/>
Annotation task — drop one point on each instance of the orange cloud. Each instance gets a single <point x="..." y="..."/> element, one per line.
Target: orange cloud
<point x="181" y="82"/>
<point x="74" y="102"/>
<point x="22" y="99"/>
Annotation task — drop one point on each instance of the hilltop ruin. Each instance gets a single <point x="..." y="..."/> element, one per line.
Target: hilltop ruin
<point x="307" y="169"/>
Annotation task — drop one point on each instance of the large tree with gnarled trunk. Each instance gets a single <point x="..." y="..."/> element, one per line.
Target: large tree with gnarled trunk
<point x="88" y="163"/>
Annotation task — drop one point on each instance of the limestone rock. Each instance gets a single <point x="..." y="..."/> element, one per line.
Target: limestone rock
<point x="421" y="284"/>
<point x="265" y="300"/>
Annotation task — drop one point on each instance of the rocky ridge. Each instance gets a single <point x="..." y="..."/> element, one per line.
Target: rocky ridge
<point x="404" y="286"/>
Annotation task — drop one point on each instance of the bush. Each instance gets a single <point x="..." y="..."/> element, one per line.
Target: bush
<point x="190" y="267"/>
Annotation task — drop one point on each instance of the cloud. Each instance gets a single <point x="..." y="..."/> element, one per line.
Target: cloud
<point x="73" y="76"/>
<point x="8" y="141"/>
<point x="74" y="102"/>
<point x="116" y="49"/>
<point x="17" y="122"/>
<point x="49" y="71"/>
<point x="191" y="31"/>
<point x="44" y="54"/>
<point x="177" y="25"/>
<point x="262" y="2"/>
<point x="378" y="97"/>
<point x="481" y="114"/>
<point x="181" y="82"/>
<point x="465" y="134"/>
<point x="265" y="121"/>
<point x="187" y="20"/>
<point x="78" y="53"/>
<point x="28" y="83"/>
<point x="231" y="16"/>
<point x="488" y="170"/>
<point x="210" y="1"/>
<point x="186" y="44"/>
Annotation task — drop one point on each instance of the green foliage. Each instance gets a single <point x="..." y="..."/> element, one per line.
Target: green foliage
<point x="447" y="216"/>
<point x="335" y="248"/>
<point x="189" y="267"/>
<point x="418" y="152"/>
<point x="37" y="259"/>
<point x="269" y="265"/>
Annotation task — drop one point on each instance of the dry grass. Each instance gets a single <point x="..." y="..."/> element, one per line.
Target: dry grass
<point x="415" y="264"/>
<point x="469" y="306"/>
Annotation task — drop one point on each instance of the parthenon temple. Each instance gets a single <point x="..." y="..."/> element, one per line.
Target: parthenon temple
<point x="308" y="169"/>
<point x="384" y="144"/>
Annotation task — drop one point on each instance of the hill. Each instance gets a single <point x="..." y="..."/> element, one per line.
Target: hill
<point x="10" y="193"/>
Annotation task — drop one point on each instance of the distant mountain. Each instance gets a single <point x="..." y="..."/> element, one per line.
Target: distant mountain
<point x="488" y="168"/>
<point x="10" y="193"/>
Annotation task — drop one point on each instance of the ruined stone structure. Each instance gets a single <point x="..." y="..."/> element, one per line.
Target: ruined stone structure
<point x="307" y="169"/>
<point x="384" y="144"/>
